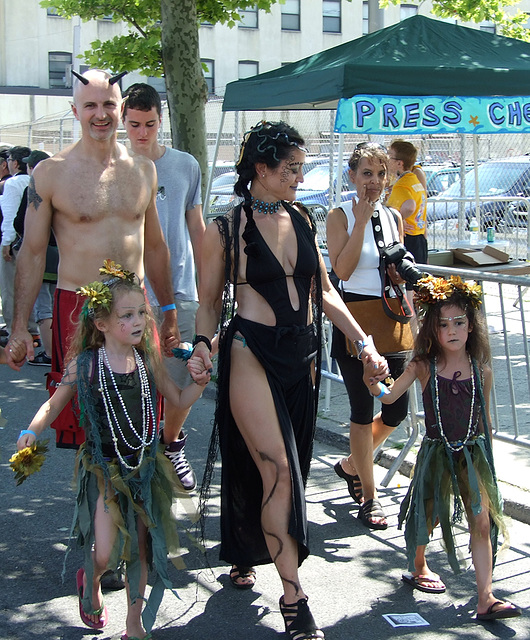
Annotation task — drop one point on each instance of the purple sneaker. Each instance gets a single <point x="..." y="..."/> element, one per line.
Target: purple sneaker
<point x="175" y="452"/>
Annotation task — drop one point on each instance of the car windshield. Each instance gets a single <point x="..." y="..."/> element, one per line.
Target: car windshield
<point x="494" y="179"/>
<point x="227" y="179"/>
<point x="318" y="179"/>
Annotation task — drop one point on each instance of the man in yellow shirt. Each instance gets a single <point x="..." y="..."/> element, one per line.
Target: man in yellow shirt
<point x="409" y="197"/>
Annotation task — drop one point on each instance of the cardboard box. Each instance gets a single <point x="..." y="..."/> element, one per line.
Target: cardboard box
<point x="481" y="257"/>
<point x="440" y="258"/>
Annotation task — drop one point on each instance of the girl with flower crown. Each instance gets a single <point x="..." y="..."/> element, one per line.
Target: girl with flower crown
<point x="454" y="470"/>
<point x="125" y="484"/>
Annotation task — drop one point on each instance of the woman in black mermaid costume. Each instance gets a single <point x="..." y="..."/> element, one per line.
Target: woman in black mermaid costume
<point x="262" y="261"/>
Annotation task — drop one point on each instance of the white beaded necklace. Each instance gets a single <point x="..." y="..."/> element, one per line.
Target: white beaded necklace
<point x="459" y="445"/>
<point x="148" y="417"/>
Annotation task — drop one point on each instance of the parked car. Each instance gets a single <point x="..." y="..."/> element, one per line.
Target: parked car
<point x="222" y="196"/>
<point x="506" y="178"/>
<point x="440" y="177"/>
<point x="313" y="190"/>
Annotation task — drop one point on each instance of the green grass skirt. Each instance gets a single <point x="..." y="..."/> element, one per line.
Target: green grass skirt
<point x="147" y="494"/>
<point x="441" y="492"/>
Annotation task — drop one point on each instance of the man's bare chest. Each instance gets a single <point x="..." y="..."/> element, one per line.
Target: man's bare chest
<point x="89" y="197"/>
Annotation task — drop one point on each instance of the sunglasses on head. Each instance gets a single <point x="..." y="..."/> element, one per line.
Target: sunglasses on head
<point x="370" y="145"/>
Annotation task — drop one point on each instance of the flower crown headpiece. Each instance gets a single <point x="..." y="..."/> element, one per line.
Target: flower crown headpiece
<point x="98" y="293"/>
<point x="431" y="290"/>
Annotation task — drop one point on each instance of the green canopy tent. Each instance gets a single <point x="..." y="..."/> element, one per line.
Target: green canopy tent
<point x="418" y="56"/>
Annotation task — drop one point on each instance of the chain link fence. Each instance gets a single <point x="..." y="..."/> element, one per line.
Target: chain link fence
<point x="507" y="181"/>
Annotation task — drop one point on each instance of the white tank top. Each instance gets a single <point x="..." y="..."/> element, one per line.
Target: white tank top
<point x="365" y="280"/>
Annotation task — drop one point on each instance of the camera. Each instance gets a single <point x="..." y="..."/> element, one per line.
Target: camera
<point x="397" y="254"/>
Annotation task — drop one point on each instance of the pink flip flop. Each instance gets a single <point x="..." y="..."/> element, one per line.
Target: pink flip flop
<point x="418" y="582"/>
<point x="101" y="612"/>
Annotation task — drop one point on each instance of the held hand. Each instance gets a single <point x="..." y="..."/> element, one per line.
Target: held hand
<point x="6" y="253"/>
<point x="369" y="371"/>
<point x="375" y="365"/>
<point x="169" y="333"/>
<point x="172" y="343"/>
<point x="19" y="347"/>
<point x="201" y="352"/>
<point x="198" y="372"/>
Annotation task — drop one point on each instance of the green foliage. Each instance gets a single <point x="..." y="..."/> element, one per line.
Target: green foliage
<point x="479" y="11"/>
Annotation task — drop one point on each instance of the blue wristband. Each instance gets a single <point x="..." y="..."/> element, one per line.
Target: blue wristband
<point x="24" y="431"/>
<point x="168" y="307"/>
<point x="384" y="392"/>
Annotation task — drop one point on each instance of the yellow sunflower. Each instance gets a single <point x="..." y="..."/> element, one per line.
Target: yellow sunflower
<point x="28" y="460"/>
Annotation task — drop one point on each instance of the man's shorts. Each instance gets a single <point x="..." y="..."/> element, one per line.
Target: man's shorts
<point x="43" y="308"/>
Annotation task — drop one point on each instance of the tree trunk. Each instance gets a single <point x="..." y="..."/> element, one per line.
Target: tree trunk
<point x="186" y="87"/>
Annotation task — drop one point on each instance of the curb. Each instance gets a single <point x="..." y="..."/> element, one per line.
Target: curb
<point x="516" y="500"/>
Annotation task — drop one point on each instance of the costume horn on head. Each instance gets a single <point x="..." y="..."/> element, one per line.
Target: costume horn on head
<point x="80" y="77"/>
<point x="115" y="79"/>
<point x="112" y="80"/>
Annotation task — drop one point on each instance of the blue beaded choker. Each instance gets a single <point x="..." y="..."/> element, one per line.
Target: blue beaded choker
<point x="265" y="207"/>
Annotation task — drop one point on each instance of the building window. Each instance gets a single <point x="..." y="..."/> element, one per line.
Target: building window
<point x="408" y="10"/>
<point x="248" y="68"/>
<point x="249" y="18"/>
<point x="488" y="26"/>
<point x="157" y="83"/>
<point x="291" y="15"/>
<point x="59" y="62"/>
<point x="209" y="75"/>
<point x="51" y="11"/>
<point x="331" y="16"/>
<point x="366" y="19"/>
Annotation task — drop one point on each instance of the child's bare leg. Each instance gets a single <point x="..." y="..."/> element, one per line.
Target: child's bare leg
<point x="421" y="568"/>
<point x="134" y="627"/>
<point x="482" y="559"/>
<point x="104" y="536"/>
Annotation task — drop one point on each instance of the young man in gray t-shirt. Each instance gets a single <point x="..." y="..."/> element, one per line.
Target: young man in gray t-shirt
<point x="179" y="209"/>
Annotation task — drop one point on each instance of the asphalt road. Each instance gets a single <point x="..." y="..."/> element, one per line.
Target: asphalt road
<point x="352" y="577"/>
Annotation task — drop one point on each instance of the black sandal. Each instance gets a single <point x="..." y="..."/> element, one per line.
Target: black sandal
<point x="355" y="488"/>
<point x="299" y="622"/>
<point x="238" y="573"/>
<point x="369" y="510"/>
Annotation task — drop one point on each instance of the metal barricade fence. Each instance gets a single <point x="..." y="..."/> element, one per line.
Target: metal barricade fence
<point x="448" y="222"/>
<point x="505" y="307"/>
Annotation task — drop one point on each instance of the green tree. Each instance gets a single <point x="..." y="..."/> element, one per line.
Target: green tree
<point x="163" y="40"/>
<point x="509" y="24"/>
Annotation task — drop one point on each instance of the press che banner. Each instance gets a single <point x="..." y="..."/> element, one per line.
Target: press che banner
<point x="433" y="114"/>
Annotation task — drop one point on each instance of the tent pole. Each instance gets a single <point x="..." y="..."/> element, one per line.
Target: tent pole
<point x="477" y="187"/>
<point x="206" y="204"/>
<point x="331" y="196"/>
<point x="338" y="171"/>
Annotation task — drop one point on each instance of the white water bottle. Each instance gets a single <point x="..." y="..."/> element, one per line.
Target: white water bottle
<point x="473" y="231"/>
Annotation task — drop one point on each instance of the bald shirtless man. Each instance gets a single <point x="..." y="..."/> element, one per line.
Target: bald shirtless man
<point x="99" y="199"/>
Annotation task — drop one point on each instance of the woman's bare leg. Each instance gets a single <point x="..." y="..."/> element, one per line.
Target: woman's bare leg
<point x="255" y="414"/>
